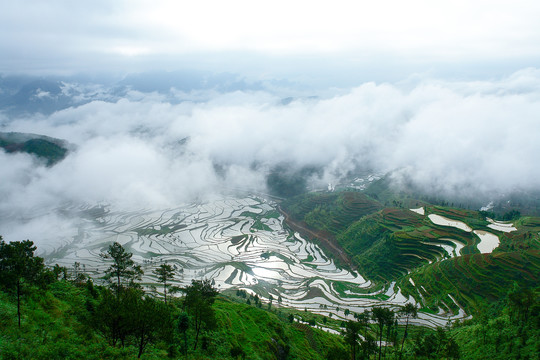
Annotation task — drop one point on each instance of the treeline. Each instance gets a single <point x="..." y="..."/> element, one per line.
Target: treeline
<point x="509" y="331"/>
<point x="376" y="334"/>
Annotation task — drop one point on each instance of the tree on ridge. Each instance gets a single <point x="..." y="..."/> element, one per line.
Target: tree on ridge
<point x="123" y="272"/>
<point x="351" y="335"/>
<point x="198" y="300"/>
<point x="19" y="266"/>
<point x="164" y="273"/>
<point x="409" y="310"/>
<point x="383" y="316"/>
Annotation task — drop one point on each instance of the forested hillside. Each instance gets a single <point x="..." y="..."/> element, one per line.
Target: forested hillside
<point x="60" y="313"/>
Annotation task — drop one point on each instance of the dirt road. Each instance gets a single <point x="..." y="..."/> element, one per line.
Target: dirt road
<point x="326" y="240"/>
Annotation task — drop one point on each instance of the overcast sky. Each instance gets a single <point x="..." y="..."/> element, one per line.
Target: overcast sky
<point x="368" y="40"/>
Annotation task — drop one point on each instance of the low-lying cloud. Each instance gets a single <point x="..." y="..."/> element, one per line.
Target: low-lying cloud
<point x="142" y="151"/>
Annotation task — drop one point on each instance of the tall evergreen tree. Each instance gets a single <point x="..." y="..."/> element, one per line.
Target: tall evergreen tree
<point x="123" y="271"/>
<point x="164" y="273"/>
<point x="409" y="310"/>
<point x="110" y="318"/>
<point x="18" y="267"/>
<point x="383" y="316"/>
<point x="198" y="300"/>
<point x="351" y="335"/>
<point x="148" y="320"/>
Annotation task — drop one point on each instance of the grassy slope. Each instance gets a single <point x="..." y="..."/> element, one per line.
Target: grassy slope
<point x="263" y="334"/>
<point x="55" y="325"/>
<point x="330" y="212"/>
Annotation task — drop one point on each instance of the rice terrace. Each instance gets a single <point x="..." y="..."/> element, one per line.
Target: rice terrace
<point x="239" y="243"/>
<point x="323" y="263"/>
<point x="243" y="243"/>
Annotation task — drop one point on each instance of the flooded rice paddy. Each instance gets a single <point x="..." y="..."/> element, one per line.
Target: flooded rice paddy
<point x="488" y="241"/>
<point x="239" y="243"/>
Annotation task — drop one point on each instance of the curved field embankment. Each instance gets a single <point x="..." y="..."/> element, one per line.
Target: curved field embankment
<point x="473" y="280"/>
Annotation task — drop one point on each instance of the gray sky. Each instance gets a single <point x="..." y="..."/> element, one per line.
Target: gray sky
<point x="370" y="40"/>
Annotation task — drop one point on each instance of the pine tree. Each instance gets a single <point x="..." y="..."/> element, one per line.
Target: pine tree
<point x="164" y="273"/>
<point x="18" y="267"/>
<point x="123" y="272"/>
<point x="408" y="310"/>
<point x="200" y="296"/>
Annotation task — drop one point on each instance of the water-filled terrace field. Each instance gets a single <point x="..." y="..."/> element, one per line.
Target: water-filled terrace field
<point x="239" y="243"/>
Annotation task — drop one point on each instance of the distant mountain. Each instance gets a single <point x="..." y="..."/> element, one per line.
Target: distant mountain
<point x="47" y="148"/>
<point x="24" y="95"/>
<point x="36" y="96"/>
<point x="189" y="80"/>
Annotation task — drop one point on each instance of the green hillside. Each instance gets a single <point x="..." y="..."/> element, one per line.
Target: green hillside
<point x="69" y="317"/>
<point x="386" y="244"/>
<point x="474" y="281"/>
<point x="331" y="212"/>
<point x="46" y="313"/>
<point x="48" y="149"/>
<point x="56" y="324"/>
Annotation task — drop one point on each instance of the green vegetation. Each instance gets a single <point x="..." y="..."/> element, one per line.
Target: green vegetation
<point x="474" y="281"/>
<point x="72" y="318"/>
<point x="49" y="149"/>
<point x="266" y="255"/>
<point x="330" y="212"/>
<point x="163" y="230"/>
<point x="383" y="243"/>
<point x="164" y="273"/>
<point x="267" y="335"/>
<point x="389" y="243"/>
<point x="258" y="224"/>
<point x="386" y="244"/>
<point x="47" y="314"/>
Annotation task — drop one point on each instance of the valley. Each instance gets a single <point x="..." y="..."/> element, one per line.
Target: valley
<point x="242" y="243"/>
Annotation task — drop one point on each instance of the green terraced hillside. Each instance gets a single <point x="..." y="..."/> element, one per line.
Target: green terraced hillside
<point x="443" y="248"/>
<point x="472" y="280"/>
<point x="331" y="212"/>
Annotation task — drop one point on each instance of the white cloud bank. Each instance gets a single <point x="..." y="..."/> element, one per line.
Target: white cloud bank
<point x="445" y="136"/>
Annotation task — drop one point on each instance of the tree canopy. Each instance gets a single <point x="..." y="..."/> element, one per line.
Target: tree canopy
<point x="164" y="273"/>
<point x="18" y="267"/>
<point x="123" y="271"/>
<point x="198" y="300"/>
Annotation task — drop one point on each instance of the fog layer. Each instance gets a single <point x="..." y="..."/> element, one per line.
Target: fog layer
<point x="144" y="151"/>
